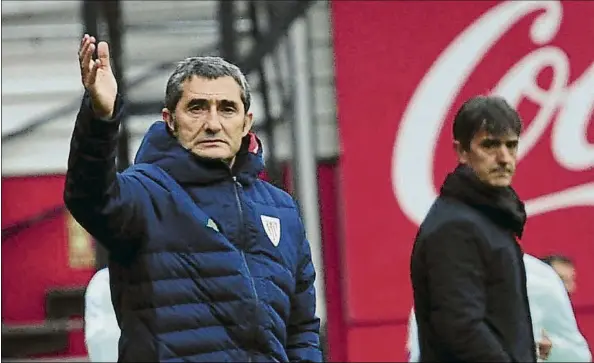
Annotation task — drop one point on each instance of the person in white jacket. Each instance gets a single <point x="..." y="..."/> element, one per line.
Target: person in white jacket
<point x="102" y="332"/>
<point x="551" y="312"/>
<point x="564" y="267"/>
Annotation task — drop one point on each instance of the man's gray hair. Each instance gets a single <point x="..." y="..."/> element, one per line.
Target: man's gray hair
<point x="206" y="67"/>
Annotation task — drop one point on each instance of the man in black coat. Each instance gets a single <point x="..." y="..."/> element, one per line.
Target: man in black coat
<point x="467" y="269"/>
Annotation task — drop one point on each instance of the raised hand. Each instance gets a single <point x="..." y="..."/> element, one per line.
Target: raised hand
<point x="97" y="76"/>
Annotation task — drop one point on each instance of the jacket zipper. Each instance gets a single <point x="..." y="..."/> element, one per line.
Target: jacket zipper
<point x="236" y="186"/>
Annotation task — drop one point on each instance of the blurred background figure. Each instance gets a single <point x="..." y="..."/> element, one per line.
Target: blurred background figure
<point x="553" y="317"/>
<point x="565" y="268"/>
<point x="101" y="326"/>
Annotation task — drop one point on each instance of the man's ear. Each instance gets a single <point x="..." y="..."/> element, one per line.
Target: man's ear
<point x="248" y="122"/>
<point x="460" y="152"/>
<point x="168" y="118"/>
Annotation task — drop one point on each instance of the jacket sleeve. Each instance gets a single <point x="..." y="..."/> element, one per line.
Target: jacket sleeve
<point x="457" y="295"/>
<point x="103" y="201"/>
<point x="303" y="330"/>
<point x="560" y="324"/>
<point x="101" y="327"/>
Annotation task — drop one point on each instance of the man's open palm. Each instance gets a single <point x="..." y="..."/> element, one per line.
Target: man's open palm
<point x="97" y="76"/>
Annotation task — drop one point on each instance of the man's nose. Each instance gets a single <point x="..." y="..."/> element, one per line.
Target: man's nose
<point x="213" y="121"/>
<point x="504" y="155"/>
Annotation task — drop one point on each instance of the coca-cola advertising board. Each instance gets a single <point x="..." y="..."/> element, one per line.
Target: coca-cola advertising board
<point x="403" y="68"/>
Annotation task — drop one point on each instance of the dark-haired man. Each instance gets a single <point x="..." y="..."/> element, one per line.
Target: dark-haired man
<point x="467" y="272"/>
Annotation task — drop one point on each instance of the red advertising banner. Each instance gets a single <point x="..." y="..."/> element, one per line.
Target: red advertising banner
<point x="402" y="70"/>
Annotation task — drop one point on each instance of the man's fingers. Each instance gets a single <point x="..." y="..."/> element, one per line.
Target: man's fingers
<point x="93" y="72"/>
<point x="87" y="60"/>
<point x="86" y="42"/>
<point x="103" y="54"/>
<point x="83" y="49"/>
<point x="82" y="43"/>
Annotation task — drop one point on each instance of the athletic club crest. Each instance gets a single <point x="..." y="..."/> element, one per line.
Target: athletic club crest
<point x="272" y="228"/>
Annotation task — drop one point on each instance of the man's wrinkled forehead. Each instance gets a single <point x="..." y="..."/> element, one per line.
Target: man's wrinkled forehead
<point x="215" y="89"/>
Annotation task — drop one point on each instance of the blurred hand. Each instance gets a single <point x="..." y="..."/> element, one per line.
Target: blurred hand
<point x="97" y="76"/>
<point x="544" y="346"/>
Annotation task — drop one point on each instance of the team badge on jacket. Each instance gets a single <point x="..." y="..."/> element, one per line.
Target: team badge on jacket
<point x="272" y="228"/>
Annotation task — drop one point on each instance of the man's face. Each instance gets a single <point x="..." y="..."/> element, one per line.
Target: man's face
<point x="567" y="273"/>
<point x="210" y="119"/>
<point x="493" y="158"/>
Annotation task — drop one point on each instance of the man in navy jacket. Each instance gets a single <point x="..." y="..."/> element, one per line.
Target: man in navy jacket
<point x="207" y="262"/>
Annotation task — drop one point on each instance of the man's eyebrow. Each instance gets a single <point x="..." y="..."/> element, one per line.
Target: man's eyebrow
<point x="226" y="102"/>
<point x="201" y="102"/>
<point x="491" y="141"/>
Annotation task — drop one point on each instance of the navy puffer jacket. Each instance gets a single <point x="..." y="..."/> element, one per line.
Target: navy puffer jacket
<point x="206" y="263"/>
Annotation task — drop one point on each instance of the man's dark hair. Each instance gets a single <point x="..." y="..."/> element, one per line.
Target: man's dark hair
<point x="550" y="259"/>
<point x="490" y="113"/>
<point x="206" y="67"/>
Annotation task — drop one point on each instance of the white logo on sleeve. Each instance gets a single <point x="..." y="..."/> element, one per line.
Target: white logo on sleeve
<point x="272" y="228"/>
<point x="212" y="225"/>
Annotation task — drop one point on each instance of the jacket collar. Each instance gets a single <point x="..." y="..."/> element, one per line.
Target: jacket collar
<point x="501" y="205"/>
<point x="161" y="148"/>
